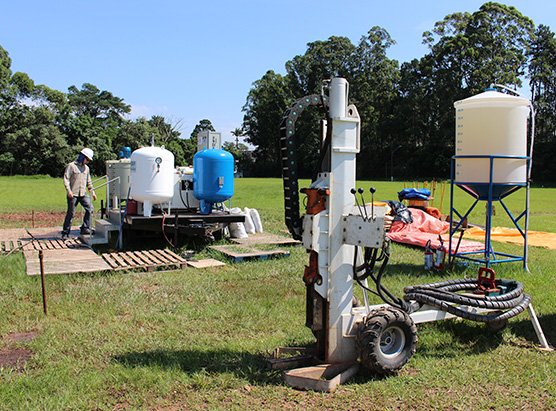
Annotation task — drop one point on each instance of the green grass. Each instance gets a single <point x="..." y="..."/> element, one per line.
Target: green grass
<point x="199" y="339"/>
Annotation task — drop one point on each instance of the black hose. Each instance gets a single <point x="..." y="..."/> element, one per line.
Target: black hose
<point x="381" y="291"/>
<point x="442" y="295"/>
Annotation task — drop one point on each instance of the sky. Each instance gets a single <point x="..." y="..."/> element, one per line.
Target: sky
<point x="193" y="60"/>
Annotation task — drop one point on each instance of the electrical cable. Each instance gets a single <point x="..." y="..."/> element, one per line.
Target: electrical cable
<point x="163" y="232"/>
<point x="185" y="203"/>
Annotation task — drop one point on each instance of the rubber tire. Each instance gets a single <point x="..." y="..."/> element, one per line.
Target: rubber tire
<point x="496" y="326"/>
<point x="386" y="340"/>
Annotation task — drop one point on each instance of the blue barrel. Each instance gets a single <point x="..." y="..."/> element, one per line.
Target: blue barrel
<point x="213" y="178"/>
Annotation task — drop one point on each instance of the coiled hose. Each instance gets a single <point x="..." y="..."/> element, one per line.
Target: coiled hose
<point x="443" y="294"/>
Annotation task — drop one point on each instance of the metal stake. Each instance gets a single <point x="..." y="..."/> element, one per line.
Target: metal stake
<point x="41" y="259"/>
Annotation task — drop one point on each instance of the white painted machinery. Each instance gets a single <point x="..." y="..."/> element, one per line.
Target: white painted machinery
<point x="347" y="244"/>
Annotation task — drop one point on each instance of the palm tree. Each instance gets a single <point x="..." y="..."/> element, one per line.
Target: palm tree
<point x="237" y="133"/>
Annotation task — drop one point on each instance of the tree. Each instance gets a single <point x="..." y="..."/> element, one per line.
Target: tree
<point x="322" y="60"/>
<point x="542" y="74"/>
<point x="488" y="46"/>
<point x="267" y="100"/>
<point x="242" y="157"/>
<point x="373" y="90"/>
<point x="96" y="104"/>
<point x="237" y="133"/>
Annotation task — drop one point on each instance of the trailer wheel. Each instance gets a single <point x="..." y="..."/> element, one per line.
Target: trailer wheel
<point x="496" y="326"/>
<point x="386" y="340"/>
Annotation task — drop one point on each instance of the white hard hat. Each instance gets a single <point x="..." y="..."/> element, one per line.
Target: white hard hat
<point x="87" y="152"/>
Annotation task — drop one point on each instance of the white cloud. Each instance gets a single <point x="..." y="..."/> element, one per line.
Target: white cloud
<point x="147" y="112"/>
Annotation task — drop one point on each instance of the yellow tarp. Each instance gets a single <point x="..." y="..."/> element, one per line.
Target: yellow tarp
<point x="512" y="235"/>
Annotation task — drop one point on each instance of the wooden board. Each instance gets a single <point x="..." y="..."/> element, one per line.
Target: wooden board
<point x="265" y="238"/>
<point x="239" y="253"/>
<point x="64" y="261"/>
<point x="209" y="262"/>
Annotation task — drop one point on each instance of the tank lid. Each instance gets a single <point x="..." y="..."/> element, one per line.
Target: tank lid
<point x="493" y="96"/>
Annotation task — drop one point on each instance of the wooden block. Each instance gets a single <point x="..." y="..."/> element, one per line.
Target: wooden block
<point x="210" y="262"/>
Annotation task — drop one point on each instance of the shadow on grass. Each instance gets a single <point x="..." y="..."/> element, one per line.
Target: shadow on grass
<point x="452" y="338"/>
<point x="524" y="328"/>
<point x="418" y="271"/>
<point x="251" y="367"/>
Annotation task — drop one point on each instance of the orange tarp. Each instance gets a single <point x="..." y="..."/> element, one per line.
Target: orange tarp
<point x="424" y="228"/>
<point x="512" y="235"/>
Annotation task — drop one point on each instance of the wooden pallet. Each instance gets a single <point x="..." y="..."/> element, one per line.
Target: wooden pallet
<point x="239" y="253"/>
<point x="7" y="246"/>
<point x="148" y="260"/>
<point x="265" y="238"/>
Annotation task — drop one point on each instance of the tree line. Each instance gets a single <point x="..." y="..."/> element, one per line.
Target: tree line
<point x="406" y="110"/>
<point x="407" y="113"/>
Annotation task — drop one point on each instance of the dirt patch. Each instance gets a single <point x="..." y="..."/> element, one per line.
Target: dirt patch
<point x="32" y="219"/>
<point x="21" y="337"/>
<point x="16" y="358"/>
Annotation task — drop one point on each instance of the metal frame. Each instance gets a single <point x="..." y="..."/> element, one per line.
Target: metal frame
<point x="495" y="192"/>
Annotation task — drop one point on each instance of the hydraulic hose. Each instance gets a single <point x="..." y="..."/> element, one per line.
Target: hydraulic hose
<point x="371" y="257"/>
<point x="442" y="295"/>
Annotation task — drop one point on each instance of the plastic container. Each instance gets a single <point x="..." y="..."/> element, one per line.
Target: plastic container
<point x="117" y="190"/>
<point x="491" y="124"/>
<point x="213" y="178"/>
<point x="152" y="176"/>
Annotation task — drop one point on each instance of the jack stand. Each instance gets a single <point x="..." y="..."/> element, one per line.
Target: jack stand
<point x="538" y="330"/>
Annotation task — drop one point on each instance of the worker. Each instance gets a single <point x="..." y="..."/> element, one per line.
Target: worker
<point x="77" y="179"/>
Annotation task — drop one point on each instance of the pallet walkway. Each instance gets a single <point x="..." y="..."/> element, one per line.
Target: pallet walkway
<point x="11" y="245"/>
<point x="239" y="253"/>
<point x="149" y="259"/>
<point x="64" y="261"/>
<point x="75" y="256"/>
<point x="265" y="238"/>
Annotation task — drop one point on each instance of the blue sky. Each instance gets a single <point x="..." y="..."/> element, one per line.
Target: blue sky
<point x="190" y="60"/>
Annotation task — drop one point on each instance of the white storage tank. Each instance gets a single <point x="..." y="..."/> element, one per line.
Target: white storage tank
<point x="491" y="124"/>
<point x="118" y="189"/>
<point x="152" y="176"/>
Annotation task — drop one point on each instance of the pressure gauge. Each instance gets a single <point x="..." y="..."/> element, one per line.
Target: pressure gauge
<point x="158" y="160"/>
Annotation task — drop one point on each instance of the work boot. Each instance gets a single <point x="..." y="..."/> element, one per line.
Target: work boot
<point x="86" y="231"/>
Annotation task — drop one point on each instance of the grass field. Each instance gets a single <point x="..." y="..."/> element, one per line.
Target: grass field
<point x="199" y="339"/>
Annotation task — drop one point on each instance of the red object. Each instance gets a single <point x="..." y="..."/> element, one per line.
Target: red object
<point x="312" y="275"/>
<point x="435" y="212"/>
<point x="131" y="207"/>
<point x="486" y="281"/>
<point x="439" y="258"/>
<point x="440" y="255"/>
<point x="428" y="256"/>
<point x="315" y="199"/>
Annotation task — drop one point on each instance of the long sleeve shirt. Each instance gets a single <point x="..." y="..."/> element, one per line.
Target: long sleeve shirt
<point x="77" y="179"/>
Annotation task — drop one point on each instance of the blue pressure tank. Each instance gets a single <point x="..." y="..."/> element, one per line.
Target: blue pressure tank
<point x="213" y="178"/>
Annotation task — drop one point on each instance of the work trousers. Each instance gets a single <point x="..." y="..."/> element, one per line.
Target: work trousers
<point x="85" y="201"/>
